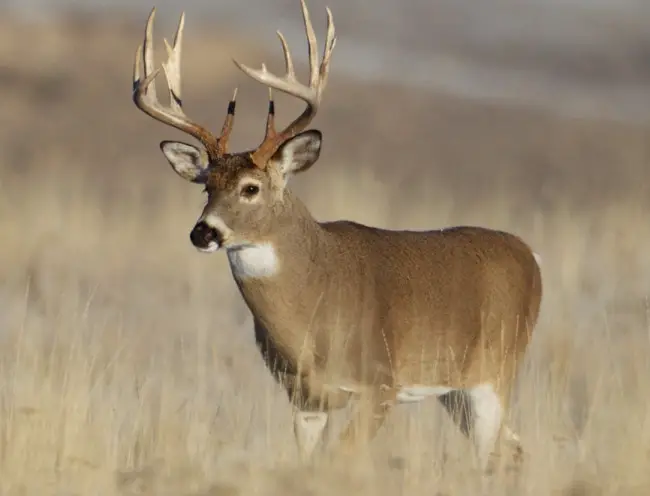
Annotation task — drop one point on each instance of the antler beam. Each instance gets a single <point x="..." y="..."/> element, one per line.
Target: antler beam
<point x="289" y="84"/>
<point x="145" y="98"/>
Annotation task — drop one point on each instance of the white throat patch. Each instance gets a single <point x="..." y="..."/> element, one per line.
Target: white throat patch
<point x="253" y="261"/>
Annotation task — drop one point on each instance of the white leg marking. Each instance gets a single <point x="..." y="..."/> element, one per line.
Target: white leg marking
<point x="349" y="389"/>
<point x="308" y="428"/>
<point x="486" y="415"/>
<point x="252" y="261"/>
<point x="510" y="436"/>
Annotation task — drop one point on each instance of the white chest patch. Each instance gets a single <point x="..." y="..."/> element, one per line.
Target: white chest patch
<point x="253" y="261"/>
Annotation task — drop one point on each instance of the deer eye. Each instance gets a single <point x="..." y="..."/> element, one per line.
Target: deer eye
<point x="250" y="190"/>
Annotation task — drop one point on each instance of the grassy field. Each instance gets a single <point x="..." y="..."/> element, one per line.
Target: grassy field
<point x="127" y="359"/>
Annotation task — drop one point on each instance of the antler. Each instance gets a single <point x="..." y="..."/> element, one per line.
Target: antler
<point x="311" y="94"/>
<point x="144" y="92"/>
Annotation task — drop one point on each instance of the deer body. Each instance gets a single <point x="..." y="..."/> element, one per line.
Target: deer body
<point x="455" y="312"/>
<point x="357" y="305"/>
<point x="342" y="310"/>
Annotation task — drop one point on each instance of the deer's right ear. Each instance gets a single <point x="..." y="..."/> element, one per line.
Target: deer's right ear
<point x="187" y="160"/>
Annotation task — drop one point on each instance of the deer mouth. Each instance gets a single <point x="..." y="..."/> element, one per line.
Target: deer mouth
<point x="211" y="248"/>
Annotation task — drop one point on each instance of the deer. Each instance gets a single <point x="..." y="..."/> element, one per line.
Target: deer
<point x="344" y="312"/>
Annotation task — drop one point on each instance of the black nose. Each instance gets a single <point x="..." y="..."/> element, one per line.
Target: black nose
<point x="203" y="234"/>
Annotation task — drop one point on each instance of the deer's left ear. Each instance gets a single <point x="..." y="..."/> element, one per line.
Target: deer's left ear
<point x="298" y="154"/>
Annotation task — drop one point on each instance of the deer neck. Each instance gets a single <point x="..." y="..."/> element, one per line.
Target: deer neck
<point x="281" y="261"/>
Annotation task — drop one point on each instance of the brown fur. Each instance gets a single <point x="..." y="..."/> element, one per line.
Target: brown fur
<point x="360" y="305"/>
<point x="350" y="309"/>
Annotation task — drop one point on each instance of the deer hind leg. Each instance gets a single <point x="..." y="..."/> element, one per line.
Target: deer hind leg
<point x="487" y="418"/>
<point x="508" y="438"/>
<point x="478" y="412"/>
<point x="514" y="442"/>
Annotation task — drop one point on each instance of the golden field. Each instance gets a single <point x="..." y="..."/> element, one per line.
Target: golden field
<point x="128" y="361"/>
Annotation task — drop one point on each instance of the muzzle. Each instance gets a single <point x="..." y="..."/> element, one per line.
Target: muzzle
<point x="205" y="237"/>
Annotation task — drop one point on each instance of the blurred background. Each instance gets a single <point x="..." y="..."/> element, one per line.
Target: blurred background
<point x="581" y="57"/>
<point x="128" y="358"/>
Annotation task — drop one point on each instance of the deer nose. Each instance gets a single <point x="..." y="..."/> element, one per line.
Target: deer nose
<point x="203" y="236"/>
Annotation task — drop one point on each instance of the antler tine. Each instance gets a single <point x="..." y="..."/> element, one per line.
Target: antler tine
<point x="270" y="118"/>
<point x="330" y="43"/>
<point x="289" y="84"/>
<point x="144" y="90"/>
<point x="148" y="52"/>
<point x="172" y="68"/>
<point x="288" y="61"/>
<point x="226" y="129"/>
<point x="312" y="46"/>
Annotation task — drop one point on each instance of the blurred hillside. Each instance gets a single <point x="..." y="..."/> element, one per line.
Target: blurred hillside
<point x="78" y="69"/>
<point x="578" y="57"/>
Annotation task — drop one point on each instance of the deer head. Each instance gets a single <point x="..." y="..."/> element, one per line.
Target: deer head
<point x="246" y="189"/>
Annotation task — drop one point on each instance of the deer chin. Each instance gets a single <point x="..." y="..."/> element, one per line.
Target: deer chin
<point x="211" y="248"/>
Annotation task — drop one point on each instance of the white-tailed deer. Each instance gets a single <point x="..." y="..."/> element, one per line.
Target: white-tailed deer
<point x="340" y="309"/>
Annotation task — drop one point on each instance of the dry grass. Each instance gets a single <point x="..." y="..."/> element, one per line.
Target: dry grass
<point x="128" y="364"/>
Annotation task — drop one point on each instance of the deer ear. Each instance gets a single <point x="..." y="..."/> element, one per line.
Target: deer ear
<point x="299" y="153"/>
<point x="187" y="160"/>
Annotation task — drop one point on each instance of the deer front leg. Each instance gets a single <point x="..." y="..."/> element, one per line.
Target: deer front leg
<point x="312" y="401"/>
<point x="309" y="428"/>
